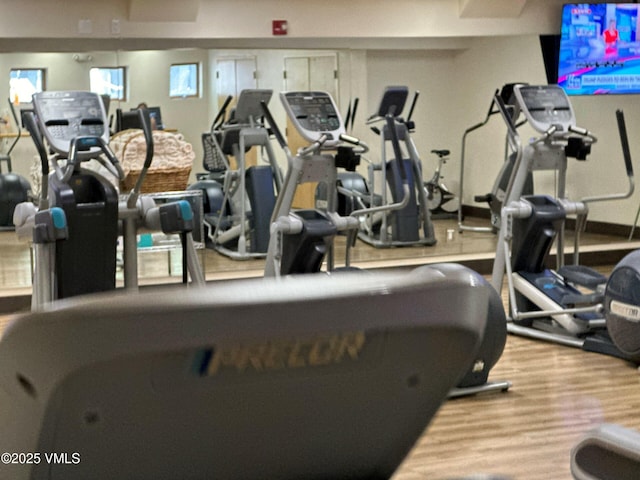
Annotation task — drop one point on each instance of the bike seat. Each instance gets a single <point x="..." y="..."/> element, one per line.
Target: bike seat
<point x="483" y="198"/>
<point x="441" y="153"/>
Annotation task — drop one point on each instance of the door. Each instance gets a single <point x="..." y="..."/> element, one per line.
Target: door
<point x="309" y="73"/>
<point x="232" y="76"/>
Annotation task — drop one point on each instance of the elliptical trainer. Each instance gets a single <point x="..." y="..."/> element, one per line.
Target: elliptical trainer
<point x="74" y="127"/>
<point x="240" y="200"/>
<point x="550" y="304"/>
<point x="76" y="224"/>
<point x="301" y="240"/>
<point x="411" y="224"/>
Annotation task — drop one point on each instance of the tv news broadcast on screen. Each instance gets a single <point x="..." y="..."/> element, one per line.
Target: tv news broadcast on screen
<point x="599" y="49"/>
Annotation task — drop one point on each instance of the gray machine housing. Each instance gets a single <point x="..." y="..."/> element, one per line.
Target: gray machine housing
<point x="311" y="377"/>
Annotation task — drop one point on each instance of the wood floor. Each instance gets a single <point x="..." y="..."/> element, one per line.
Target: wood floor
<point x="558" y="393"/>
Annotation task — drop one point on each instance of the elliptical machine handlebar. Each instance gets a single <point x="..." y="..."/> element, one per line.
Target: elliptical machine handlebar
<point x="81" y="144"/>
<point x="395" y="142"/>
<point x="547" y="135"/>
<point x="513" y="135"/>
<point x="406" y="189"/>
<point x="409" y="123"/>
<point x="626" y="154"/>
<point x="624" y="141"/>
<point x="314" y="146"/>
<point x="36" y="135"/>
<point x="145" y="122"/>
<point x="583" y="132"/>
<point x="351" y="114"/>
<point x="15" y="119"/>
<point x="364" y="148"/>
<point x="274" y="127"/>
<point x="219" y="120"/>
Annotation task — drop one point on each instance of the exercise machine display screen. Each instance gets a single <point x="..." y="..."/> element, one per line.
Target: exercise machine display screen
<point x="544" y="106"/>
<point x="313" y="114"/>
<point x="248" y="105"/>
<point x="393" y="100"/>
<point x="64" y="116"/>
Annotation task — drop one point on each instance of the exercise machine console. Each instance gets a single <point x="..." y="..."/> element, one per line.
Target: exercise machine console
<point x="317" y="378"/>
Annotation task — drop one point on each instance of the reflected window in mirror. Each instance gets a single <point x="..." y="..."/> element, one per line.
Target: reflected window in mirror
<point x="184" y="80"/>
<point x="109" y="81"/>
<point x="24" y="82"/>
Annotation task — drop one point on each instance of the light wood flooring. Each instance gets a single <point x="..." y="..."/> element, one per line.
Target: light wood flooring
<point x="558" y="393"/>
<point x="527" y="433"/>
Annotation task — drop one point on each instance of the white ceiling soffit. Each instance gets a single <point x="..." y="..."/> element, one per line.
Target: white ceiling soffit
<point x="490" y="8"/>
<point x="163" y="10"/>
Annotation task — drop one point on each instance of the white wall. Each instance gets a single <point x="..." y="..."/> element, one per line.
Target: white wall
<point x="431" y="73"/>
<point x="221" y="19"/>
<point x="493" y="62"/>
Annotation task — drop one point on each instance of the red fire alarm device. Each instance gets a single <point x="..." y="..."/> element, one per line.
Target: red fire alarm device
<point x="280" y="27"/>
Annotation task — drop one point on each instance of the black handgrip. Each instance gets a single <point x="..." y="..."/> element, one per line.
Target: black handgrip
<point x="395" y="142"/>
<point x="221" y="113"/>
<point x="30" y="124"/>
<point x="353" y="112"/>
<point x="413" y="105"/>
<point x="624" y="141"/>
<point x="491" y="110"/>
<point x="91" y="121"/>
<point x="502" y="108"/>
<point x="145" y="122"/>
<point x="55" y="122"/>
<point x="347" y="118"/>
<point x="274" y="126"/>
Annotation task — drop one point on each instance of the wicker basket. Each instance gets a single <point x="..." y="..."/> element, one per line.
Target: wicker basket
<point x="158" y="180"/>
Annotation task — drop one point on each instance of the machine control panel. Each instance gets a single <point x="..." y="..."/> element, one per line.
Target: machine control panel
<point x="248" y="105"/>
<point x="544" y="106"/>
<point x="314" y="114"/>
<point x="64" y="116"/>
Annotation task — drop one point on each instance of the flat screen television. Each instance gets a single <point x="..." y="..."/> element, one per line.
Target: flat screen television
<point x="599" y="49"/>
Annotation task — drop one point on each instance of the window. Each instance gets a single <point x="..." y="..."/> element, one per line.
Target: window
<point x="109" y="81"/>
<point x="24" y="82"/>
<point x="184" y="80"/>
